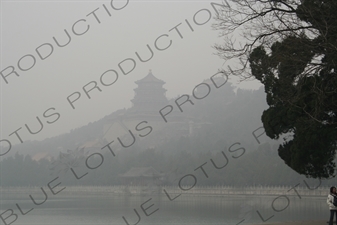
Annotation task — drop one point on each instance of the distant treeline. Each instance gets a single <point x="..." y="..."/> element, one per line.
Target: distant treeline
<point x="217" y="166"/>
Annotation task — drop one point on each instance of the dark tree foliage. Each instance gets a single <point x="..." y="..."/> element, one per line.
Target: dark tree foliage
<point x="295" y="57"/>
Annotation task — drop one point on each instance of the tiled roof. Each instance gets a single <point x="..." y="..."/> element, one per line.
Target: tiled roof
<point x="150" y="78"/>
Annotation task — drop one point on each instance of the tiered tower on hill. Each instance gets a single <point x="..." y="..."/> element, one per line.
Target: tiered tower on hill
<point x="149" y="95"/>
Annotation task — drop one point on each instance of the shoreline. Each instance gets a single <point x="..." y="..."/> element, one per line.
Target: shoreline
<point x="309" y="222"/>
<point x="158" y="190"/>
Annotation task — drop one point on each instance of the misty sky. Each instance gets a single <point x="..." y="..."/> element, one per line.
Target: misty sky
<point x="108" y="35"/>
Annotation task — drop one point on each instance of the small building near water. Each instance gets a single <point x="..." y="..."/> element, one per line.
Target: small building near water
<point x="142" y="176"/>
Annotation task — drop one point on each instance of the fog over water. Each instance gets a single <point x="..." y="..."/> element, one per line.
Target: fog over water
<point x="126" y="95"/>
<point x="153" y="209"/>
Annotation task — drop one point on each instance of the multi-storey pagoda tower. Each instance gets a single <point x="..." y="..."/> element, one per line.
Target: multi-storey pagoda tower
<point x="149" y="99"/>
<point x="149" y="95"/>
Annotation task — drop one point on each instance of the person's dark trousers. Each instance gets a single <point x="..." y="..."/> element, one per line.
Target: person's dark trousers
<point x="332" y="212"/>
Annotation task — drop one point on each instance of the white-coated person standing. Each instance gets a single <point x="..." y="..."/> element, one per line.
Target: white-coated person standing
<point x="332" y="202"/>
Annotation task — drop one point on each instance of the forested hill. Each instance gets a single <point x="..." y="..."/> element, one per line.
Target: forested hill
<point x="228" y="136"/>
<point x="229" y="115"/>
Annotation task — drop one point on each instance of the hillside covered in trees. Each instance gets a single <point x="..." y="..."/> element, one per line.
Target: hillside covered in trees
<point x="225" y="151"/>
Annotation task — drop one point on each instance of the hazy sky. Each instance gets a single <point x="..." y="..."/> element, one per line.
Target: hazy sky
<point x="105" y="36"/>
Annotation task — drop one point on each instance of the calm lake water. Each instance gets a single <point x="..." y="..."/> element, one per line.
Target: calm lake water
<point x="102" y="209"/>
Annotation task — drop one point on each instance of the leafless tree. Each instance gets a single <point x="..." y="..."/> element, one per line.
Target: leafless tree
<point x="247" y="24"/>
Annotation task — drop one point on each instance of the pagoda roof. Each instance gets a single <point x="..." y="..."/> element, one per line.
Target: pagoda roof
<point x="150" y="78"/>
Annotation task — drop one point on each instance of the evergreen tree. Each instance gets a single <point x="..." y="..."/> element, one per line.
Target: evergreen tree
<point x="292" y="49"/>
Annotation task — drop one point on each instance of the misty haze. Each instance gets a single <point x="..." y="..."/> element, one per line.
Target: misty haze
<point x="120" y="112"/>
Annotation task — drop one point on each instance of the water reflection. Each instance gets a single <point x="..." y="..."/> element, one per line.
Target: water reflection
<point x="185" y="209"/>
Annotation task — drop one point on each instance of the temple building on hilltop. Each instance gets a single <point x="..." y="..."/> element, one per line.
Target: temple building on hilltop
<point x="149" y="99"/>
<point x="149" y="95"/>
